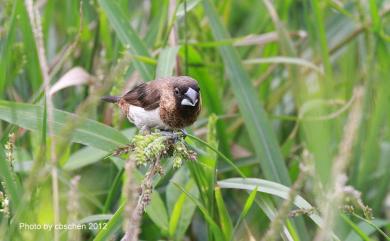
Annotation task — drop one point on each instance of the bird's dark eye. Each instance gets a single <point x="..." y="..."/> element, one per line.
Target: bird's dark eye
<point x="177" y="92"/>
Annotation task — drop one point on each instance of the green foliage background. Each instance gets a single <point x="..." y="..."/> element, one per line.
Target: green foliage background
<point x="279" y="80"/>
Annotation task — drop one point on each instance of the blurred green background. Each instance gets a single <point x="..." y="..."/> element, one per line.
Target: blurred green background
<point x="295" y="93"/>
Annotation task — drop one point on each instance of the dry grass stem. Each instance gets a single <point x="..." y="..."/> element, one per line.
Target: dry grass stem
<point x="173" y="36"/>
<point x="74" y="208"/>
<point x="35" y="21"/>
<point x="132" y="218"/>
<point x="134" y="213"/>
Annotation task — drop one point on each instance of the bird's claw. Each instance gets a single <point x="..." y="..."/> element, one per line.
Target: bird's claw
<point x="176" y="136"/>
<point x="184" y="132"/>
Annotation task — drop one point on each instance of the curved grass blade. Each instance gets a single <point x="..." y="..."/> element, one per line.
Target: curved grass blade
<point x="89" y="155"/>
<point x="88" y="132"/>
<point x="268" y="187"/>
<point x="266" y="204"/>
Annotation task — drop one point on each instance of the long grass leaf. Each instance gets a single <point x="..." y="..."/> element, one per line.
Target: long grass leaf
<point x="224" y="218"/>
<point x="112" y="226"/>
<point x="88" y="132"/>
<point x="355" y="228"/>
<point x="368" y="229"/>
<point x="269" y="187"/>
<point x="257" y="123"/>
<point x="214" y="227"/>
<point x="12" y="186"/>
<point x="182" y="210"/>
<point x="225" y="158"/>
<point x="127" y="35"/>
<point x="248" y="204"/>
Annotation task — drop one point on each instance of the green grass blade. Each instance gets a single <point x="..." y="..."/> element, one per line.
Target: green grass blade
<point x="248" y="204"/>
<point x="367" y="228"/>
<point x="355" y="228"/>
<point x="318" y="9"/>
<point x="84" y="157"/>
<point x="224" y="218"/>
<point x="211" y="94"/>
<point x="89" y="155"/>
<point x="115" y="188"/>
<point x="128" y="37"/>
<point x="213" y="226"/>
<point x="257" y="123"/>
<point x="88" y="132"/>
<point x="157" y="212"/>
<point x="159" y="11"/>
<point x="268" y="187"/>
<point x="190" y="5"/>
<point x="182" y="209"/>
<point x="112" y="226"/>
<point x="34" y="77"/>
<point x="5" y="50"/>
<point x="96" y="218"/>
<point x="166" y="61"/>
<point x="12" y="186"/>
<point x="266" y="204"/>
<point x="372" y="224"/>
<point x="225" y="158"/>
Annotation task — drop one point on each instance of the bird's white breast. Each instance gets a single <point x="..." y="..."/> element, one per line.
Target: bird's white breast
<point x="145" y="119"/>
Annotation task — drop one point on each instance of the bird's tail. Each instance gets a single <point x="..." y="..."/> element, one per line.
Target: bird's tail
<point x="111" y="99"/>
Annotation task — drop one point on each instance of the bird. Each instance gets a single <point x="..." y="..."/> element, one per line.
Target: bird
<point x="168" y="104"/>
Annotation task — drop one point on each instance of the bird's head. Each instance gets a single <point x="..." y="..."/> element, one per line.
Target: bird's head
<point x="186" y="92"/>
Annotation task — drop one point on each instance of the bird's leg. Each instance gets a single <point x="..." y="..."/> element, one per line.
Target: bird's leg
<point x="145" y="130"/>
<point x="167" y="133"/>
<point x="184" y="132"/>
<point x="171" y="134"/>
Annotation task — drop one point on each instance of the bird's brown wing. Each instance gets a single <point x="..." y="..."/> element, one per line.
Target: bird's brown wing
<point x="144" y="95"/>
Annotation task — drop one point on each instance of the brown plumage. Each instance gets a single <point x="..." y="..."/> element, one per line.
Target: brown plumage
<point x="166" y="103"/>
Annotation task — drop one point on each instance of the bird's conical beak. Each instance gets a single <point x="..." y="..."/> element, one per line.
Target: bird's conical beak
<point x="191" y="97"/>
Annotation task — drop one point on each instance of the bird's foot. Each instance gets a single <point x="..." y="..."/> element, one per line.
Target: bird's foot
<point x="145" y="131"/>
<point x="176" y="136"/>
<point x="184" y="132"/>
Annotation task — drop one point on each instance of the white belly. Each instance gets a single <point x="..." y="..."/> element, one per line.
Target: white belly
<point x="145" y="119"/>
